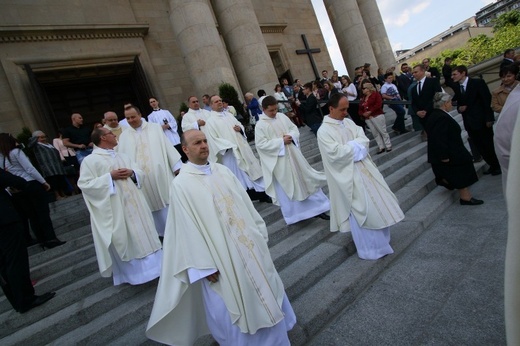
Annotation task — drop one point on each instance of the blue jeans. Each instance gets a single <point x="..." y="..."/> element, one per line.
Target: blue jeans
<point x="82" y="153"/>
<point x="314" y="128"/>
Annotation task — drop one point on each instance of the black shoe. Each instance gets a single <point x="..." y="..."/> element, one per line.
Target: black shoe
<point x="323" y="216"/>
<point x="38" y="300"/>
<point x="52" y="243"/>
<point x="405" y="131"/>
<point x="380" y="151"/>
<point x="472" y="201"/>
<point x="493" y="171"/>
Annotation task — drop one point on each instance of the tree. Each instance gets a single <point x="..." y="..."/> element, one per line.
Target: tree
<point x="228" y="92"/>
<point x="511" y="18"/>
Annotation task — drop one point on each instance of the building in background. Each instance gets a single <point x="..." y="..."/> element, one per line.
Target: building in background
<point x="485" y="16"/>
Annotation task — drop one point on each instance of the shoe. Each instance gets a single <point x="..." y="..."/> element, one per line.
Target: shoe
<point x="388" y="150"/>
<point x="52" y="243"/>
<point x="472" y="201"/>
<point x="405" y="131"/>
<point x="380" y="151"/>
<point x="323" y="216"/>
<point x="496" y="171"/>
<point x="38" y="300"/>
<point x="396" y="131"/>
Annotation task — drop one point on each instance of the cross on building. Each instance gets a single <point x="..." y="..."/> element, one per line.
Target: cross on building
<point x="309" y="51"/>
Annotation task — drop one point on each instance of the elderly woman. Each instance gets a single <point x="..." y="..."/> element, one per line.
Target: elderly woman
<point x="451" y="162"/>
<point x="49" y="160"/>
<point x="253" y="107"/>
<point x="371" y="108"/>
<point x="33" y="198"/>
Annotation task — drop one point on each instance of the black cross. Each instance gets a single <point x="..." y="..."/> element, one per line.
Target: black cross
<point x="309" y="52"/>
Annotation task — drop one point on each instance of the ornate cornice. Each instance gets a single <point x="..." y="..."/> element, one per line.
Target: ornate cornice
<point x="41" y="33"/>
<point x="272" y="28"/>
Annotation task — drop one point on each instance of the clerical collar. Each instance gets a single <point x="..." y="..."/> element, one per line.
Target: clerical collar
<point x="112" y="151"/>
<point x="156" y="110"/>
<point x="336" y="121"/>
<point x="206" y="169"/>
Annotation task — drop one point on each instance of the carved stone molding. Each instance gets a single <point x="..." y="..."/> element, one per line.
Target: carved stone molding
<point x="41" y="33"/>
<point x="272" y="28"/>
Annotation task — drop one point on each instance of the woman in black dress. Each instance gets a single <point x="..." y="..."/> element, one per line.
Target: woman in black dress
<point x="451" y="162"/>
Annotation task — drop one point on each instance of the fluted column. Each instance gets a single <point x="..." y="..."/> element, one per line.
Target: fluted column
<point x="245" y="44"/>
<point x="351" y="34"/>
<point x="377" y="33"/>
<point x="201" y="46"/>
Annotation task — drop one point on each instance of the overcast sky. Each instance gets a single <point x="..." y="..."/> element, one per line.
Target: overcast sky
<point x="408" y="23"/>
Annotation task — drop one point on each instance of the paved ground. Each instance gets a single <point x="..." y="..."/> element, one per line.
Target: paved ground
<point x="446" y="289"/>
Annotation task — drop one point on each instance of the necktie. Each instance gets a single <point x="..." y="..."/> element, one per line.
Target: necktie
<point x="419" y="87"/>
<point x="462" y="91"/>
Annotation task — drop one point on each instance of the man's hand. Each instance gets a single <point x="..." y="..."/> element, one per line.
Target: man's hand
<point x="445" y="160"/>
<point x="201" y="122"/>
<point x="121" y="173"/>
<point x="46" y="186"/>
<point x="421" y="114"/>
<point x="237" y="128"/>
<point x="287" y="139"/>
<point x="82" y="146"/>
<point x="489" y="123"/>
<point x="462" y="109"/>
<point x="213" y="277"/>
<point x="165" y="126"/>
<point x="298" y="103"/>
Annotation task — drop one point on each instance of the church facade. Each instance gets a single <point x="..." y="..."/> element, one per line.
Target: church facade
<point x="58" y="57"/>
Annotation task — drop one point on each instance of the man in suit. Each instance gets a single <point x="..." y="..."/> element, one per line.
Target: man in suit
<point x="509" y="55"/>
<point x="422" y="96"/>
<point x="14" y="262"/>
<point x="434" y="73"/>
<point x="404" y="80"/>
<point x="474" y="103"/>
<point x="309" y="109"/>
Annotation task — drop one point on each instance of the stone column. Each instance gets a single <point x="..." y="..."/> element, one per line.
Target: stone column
<point x="201" y="46"/>
<point x="351" y="34"/>
<point x="377" y="33"/>
<point x="245" y="44"/>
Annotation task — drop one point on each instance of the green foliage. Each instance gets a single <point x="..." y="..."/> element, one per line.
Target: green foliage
<point x="483" y="47"/>
<point x="23" y="137"/>
<point x="227" y="91"/>
<point x="183" y="107"/>
<point x="511" y="18"/>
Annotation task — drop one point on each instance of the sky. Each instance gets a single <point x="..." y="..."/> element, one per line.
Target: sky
<point x="408" y="23"/>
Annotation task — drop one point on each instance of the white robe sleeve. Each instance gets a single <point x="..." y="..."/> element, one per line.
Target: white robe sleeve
<point x="360" y="152"/>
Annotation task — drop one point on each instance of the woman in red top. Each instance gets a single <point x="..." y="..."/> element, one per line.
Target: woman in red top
<point x="371" y="108"/>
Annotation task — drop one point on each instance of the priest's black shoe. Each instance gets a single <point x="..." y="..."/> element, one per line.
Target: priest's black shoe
<point x="38" y="300"/>
<point x="323" y="216"/>
<point x="472" y="201"/>
<point x="52" y="243"/>
<point x="493" y="171"/>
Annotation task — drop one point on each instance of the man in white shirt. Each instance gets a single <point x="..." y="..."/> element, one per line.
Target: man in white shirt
<point x="218" y="276"/>
<point x="168" y="124"/>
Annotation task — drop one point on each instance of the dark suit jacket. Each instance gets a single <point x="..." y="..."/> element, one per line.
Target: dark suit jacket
<point x="477" y="100"/>
<point x="424" y="101"/>
<point x="444" y="140"/>
<point x="403" y="83"/>
<point x="435" y="73"/>
<point x="309" y="111"/>
<point x="505" y="62"/>
<point x="9" y="214"/>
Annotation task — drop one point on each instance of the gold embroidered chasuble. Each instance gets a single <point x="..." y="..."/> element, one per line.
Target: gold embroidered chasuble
<point x="155" y="156"/>
<point x="292" y="171"/>
<point x="122" y="219"/>
<point x="354" y="187"/>
<point x="222" y="136"/>
<point x="213" y="224"/>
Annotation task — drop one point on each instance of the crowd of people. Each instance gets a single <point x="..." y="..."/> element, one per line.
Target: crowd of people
<point x="173" y="198"/>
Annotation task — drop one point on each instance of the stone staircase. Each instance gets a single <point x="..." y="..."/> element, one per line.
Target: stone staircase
<point x="320" y="270"/>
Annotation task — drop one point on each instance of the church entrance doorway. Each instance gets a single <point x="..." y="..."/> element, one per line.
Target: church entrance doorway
<point x="89" y="90"/>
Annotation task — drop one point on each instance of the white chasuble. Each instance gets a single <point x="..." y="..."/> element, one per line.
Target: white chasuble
<point x="356" y="188"/>
<point x="156" y="157"/>
<point x="189" y="119"/>
<point x="222" y="136"/>
<point x="213" y="225"/>
<point x="285" y="163"/>
<point x="119" y="214"/>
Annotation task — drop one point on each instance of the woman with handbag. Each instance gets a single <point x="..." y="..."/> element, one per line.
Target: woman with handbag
<point x="32" y="201"/>
<point x="371" y="108"/>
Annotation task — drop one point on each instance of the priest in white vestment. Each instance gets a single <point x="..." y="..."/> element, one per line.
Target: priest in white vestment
<point x="145" y="144"/>
<point x="361" y="200"/>
<point x="229" y="146"/>
<point x="112" y="124"/>
<point x="289" y="179"/>
<point x="168" y="123"/>
<point x="195" y="118"/>
<point x="125" y="238"/>
<point x="218" y="276"/>
<point x="512" y="262"/>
